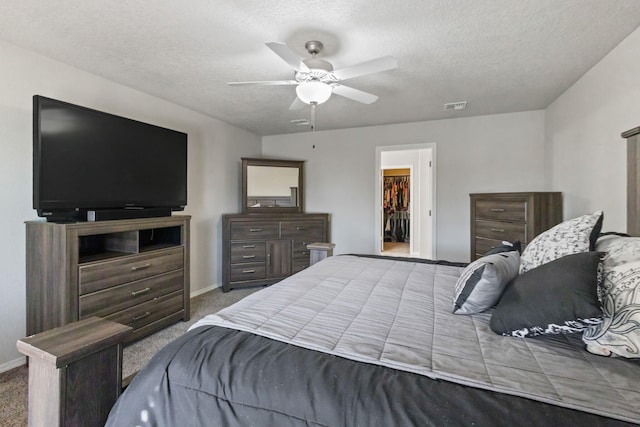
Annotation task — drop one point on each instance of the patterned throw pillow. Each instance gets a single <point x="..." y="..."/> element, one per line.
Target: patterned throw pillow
<point x="482" y="282"/>
<point x="620" y="331"/>
<point x="560" y="296"/>
<point x="570" y="237"/>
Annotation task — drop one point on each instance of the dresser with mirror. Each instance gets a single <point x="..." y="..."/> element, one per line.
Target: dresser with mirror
<point x="268" y="240"/>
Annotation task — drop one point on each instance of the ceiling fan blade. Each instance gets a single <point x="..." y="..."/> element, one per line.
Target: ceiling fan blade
<point x="297" y="104"/>
<point x="266" y="83"/>
<point x="355" y="94"/>
<point x="289" y="56"/>
<point x="368" y="67"/>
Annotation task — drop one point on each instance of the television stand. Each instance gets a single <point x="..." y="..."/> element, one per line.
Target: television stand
<point x="132" y="271"/>
<point x="127" y="213"/>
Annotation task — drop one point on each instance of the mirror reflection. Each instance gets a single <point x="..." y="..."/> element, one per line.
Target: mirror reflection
<point x="272" y="186"/>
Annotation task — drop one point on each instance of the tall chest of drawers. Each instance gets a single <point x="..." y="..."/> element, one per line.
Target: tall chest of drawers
<point x="496" y="217"/>
<point x="264" y="249"/>
<point x="134" y="272"/>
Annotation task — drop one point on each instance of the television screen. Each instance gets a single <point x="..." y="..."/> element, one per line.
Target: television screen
<point x="85" y="159"/>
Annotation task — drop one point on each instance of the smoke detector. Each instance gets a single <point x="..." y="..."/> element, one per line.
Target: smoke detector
<point x="459" y="105"/>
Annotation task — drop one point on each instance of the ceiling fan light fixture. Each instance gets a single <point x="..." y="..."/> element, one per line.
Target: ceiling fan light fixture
<point x="313" y="92"/>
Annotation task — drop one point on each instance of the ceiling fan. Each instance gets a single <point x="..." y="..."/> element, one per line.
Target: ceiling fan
<point x="315" y="79"/>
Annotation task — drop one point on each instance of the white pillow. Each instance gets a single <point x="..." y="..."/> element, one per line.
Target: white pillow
<point x="569" y="237"/>
<point x="620" y="331"/>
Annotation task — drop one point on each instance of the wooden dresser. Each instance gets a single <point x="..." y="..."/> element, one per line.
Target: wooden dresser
<point x="261" y="249"/>
<point x="511" y="216"/>
<point x="134" y="272"/>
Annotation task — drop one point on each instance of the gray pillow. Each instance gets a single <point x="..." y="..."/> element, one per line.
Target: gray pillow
<point x="482" y="282"/>
<point x="558" y="297"/>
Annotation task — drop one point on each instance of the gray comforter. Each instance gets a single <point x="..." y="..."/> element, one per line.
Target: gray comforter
<point x="399" y="315"/>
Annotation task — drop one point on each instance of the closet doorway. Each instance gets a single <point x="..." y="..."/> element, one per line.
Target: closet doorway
<point x="405" y="200"/>
<point x="396" y="215"/>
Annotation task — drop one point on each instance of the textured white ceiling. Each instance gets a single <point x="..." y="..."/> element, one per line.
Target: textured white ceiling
<point x="499" y="55"/>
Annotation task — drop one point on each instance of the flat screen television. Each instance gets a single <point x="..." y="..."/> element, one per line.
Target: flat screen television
<point x="90" y="161"/>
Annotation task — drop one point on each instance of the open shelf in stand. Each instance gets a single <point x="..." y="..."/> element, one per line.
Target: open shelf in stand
<point x="99" y="247"/>
<point x="158" y="238"/>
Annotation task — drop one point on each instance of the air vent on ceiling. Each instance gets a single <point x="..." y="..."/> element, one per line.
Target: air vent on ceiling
<point x="300" y="122"/>
<point x="460" y="105"/>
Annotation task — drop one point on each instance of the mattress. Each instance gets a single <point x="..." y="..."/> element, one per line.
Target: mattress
<point x="365" y="341"/>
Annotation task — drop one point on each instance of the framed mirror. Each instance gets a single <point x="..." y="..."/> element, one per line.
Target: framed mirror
<point x="272" y="185"/>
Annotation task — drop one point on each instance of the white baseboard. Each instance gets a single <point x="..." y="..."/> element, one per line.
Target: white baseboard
<point x="7" y="366"/>
<point x="205" y="290"/>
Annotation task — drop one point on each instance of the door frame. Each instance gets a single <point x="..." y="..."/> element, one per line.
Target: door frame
<point x="420" y="172"/>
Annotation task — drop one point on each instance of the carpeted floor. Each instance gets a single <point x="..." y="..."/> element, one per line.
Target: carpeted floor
<point x="13" y="383"/>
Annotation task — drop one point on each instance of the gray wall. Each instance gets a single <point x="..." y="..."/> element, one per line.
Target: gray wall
<point x="586" y="157"/>
<point x="477" y="154"/>
<point x="214" y="151"/>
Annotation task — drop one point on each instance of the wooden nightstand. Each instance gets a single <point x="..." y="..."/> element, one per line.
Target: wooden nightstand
<point x="319" y="251"/>
<point x="75" y="372"/>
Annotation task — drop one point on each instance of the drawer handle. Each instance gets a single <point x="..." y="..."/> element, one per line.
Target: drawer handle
<point x="496" y="210"/>
<point x="301" y="228"/>
<point x="248" y="256"/>
<point x="248" y="271"/>
<point x="142" y="316"/>
<point x="254" y="230"/>
<point x="140" y="267"/>
<point x="304" y="252"/>
<point x="140" y="292"/>
<point x="248" y="246"/>
<point x="499" y="230"/>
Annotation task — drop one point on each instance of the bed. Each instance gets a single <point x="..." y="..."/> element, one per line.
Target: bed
<point x="254" y="364"/>
<point x="360" y="340"/>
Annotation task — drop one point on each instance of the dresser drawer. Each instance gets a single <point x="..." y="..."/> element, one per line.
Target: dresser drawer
<point x="248" y="252"/>
<point x="148" y="312"/>
<point x="117" y="298"/>
<point x="241" y="272"/>
<point x="300" y="264"/>
<point x="300" y="247"/>
<point x="302" y="229"/>
<point x="255" y="230"/>
<point x="484" y="245"/>
<point x="501" y="210"/>
<point x="101" y="275"/>
<point x="502" y="231"/>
